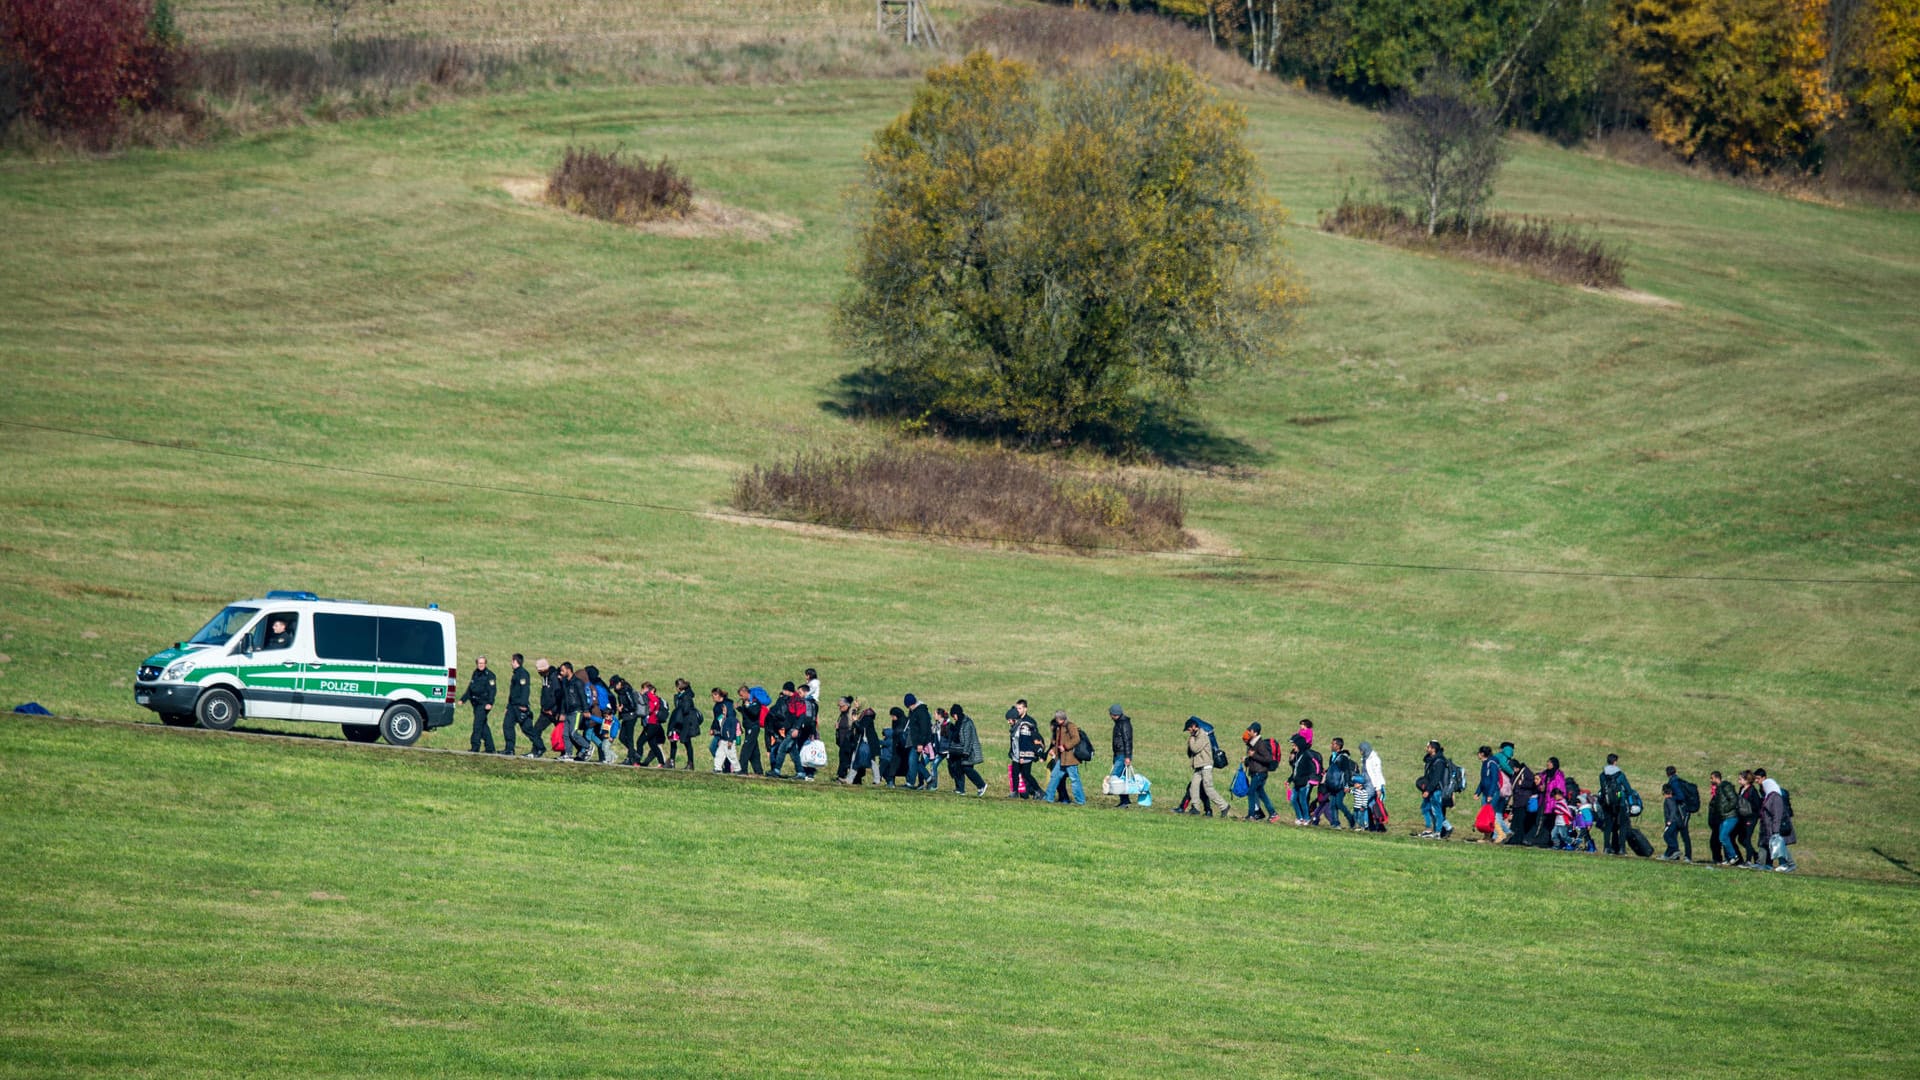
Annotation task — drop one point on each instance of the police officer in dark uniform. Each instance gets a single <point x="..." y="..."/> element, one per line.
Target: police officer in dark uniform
<point x="479" y="693"/>
<point x="519" y="693"/>
<point x="550" y="698"/>
<point x="279" y="635"/>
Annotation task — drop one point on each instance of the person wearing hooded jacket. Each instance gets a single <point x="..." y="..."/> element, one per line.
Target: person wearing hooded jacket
<point x="1303" y="775"/>
<point x="1339" y="777"/>
<point x="683" y="724"/>
<point x="965" y="755"/>
<point x="1261" y="760"/>
<point x="1433" y="787"/>
<point x="1369" y="783"/>
<point x="1776" y="824"/>
<point x="1200" y="760"/>
<point x="1615" y="805"/>
<point x="1122" y="745"/>
<point x="866" y="749"/>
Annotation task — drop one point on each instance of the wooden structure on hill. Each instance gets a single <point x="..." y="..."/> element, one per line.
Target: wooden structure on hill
<point x="908" y="20"/>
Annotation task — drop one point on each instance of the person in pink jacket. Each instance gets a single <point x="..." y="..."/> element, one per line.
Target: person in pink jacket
<point x="1553" y="787"/>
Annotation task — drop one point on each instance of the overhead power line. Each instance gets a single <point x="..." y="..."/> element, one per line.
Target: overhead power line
<point x="1220" y="556"/>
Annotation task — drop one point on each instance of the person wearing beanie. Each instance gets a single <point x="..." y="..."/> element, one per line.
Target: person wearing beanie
<point x="920" y="755"/>
<point x="1122" y="746"/>
<point x="1200" y="758"/>
<point x="964" y="753"/>
<point x="1066" y="766"/>
<point x="786" y="722"/>
<point x="1023" y="749"/>
<point x="1263" y="756"/>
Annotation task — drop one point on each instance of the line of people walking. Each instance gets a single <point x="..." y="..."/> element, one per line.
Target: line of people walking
<point x="582" y="717"/>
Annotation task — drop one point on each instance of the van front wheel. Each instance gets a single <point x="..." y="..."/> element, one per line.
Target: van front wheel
<point x="217" y="710"/>
<point x="400" y="725"/>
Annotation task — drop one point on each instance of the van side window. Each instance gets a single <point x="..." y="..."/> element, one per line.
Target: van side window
<point x="344" y="637"/>
<point x="275" y="631"/>
<point x="412" y="641"/>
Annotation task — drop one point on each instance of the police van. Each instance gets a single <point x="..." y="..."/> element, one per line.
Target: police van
<point x="378" y="671"/>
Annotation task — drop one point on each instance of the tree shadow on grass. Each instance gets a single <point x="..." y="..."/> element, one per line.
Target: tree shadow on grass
<point x="1166" y="435"/>
<point x="1898" y="862"/>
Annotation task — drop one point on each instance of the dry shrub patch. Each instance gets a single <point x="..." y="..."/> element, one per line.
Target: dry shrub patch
<point x="969" y="494"/>
<point x="1054" y="38"/>
<point x="1550" y="249"/>
<point x="629" y="190"/>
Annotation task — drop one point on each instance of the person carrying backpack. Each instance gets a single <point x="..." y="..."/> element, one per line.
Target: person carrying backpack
<point x="1436" y="791"/>
<point x="1686" y="803"/>
<point x="1200" y="756"/>
<point x="1263" y="757"/>
<point x="964" y="754"/>
<point x="1062" y="752"/>
<point x="1616" y="805"/>
<point x="752" y="715"/>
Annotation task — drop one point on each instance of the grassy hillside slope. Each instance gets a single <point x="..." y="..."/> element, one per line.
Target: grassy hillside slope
<point x="368" y="297"/>
<point x="238" y="906"/>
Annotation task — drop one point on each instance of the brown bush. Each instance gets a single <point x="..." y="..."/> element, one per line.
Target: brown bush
<point x="968" y="494"/>
<point x="1052" y="38"/>
<point x="602" y="184"/>
<point x="1551" y="249"/>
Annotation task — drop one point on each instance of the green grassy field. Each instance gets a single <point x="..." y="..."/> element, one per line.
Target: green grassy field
<point x="361" y="910"/>
<point x="369" y="297"/>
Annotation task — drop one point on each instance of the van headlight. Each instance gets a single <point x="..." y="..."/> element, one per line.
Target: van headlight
<point x="177" y="670"/>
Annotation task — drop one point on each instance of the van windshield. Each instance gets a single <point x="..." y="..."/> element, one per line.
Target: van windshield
<point x="223" y="626"/>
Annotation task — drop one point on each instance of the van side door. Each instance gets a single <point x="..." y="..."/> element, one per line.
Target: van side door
<point x="340" y="685"/>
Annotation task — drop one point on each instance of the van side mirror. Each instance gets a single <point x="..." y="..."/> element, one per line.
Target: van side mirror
<point x="245" y="648"/>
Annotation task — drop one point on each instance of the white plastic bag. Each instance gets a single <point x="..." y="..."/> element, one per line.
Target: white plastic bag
<point x="814" y="754"/>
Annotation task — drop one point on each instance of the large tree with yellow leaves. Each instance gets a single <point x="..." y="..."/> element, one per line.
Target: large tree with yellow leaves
<point x="1049" y="259"/>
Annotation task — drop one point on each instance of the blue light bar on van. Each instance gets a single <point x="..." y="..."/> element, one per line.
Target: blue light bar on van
<point x="290" y="594"/>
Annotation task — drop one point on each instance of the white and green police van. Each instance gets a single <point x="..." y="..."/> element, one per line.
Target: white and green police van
<point x="378" y="671"/>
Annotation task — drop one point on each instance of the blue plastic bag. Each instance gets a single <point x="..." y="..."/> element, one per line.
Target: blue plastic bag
<point x="32" y="708"/>
<point x="1240" y="783"/>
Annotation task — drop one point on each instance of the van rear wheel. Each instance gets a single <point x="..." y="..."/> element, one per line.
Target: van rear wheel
<point x="217" y="710"/>
<point x="361" y="733"/>
<point x="400" y="725"/>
